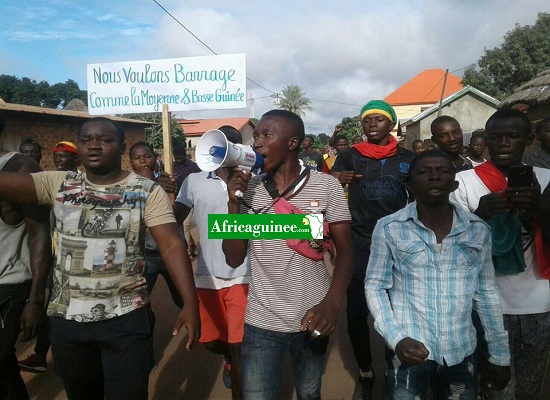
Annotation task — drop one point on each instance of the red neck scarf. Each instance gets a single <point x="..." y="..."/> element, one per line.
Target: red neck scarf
<point x="491" y="176"/>
<point x="377" y="152"/>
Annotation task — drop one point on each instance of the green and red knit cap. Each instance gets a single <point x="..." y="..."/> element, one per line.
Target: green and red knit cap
<point x="379" y="107"/>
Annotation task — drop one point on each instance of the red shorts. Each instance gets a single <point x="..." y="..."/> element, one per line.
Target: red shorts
<point x="222" y="313"/>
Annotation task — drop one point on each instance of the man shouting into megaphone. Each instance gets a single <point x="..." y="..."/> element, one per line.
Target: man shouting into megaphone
<point x="293" y="301"/>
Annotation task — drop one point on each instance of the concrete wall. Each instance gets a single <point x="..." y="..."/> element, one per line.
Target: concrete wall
<point x="469" y="110"/>
<point x="410" y="110"/>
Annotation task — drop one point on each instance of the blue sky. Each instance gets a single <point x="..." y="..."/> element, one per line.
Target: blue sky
<point x="342" y="53"/>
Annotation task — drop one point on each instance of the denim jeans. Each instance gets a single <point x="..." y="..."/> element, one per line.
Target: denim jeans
<point x="410" y="382"/>
<point x="155" y="267"/>
<point x="263" y="353"/>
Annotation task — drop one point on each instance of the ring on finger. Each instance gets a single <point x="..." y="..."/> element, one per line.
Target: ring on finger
<point x="316" y="334"/>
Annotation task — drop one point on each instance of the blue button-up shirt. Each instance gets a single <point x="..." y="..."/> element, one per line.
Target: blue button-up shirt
<point x="432" y="288"/>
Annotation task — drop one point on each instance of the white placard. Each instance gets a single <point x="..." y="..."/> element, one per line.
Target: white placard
<point x="185" y="84"/>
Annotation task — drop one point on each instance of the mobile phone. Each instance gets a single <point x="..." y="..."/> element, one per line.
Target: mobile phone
<point x="520" y="176"/>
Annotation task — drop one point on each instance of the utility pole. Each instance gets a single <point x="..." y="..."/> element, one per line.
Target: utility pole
<point x="442" y="92"/>
<point x="251" y="99"/>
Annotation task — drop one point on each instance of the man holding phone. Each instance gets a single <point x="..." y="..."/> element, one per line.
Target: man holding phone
<point x="507" y="195"/>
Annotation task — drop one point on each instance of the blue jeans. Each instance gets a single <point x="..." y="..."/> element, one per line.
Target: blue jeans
<point x="410" y="382"/>
<point x="263" y="353"/>
<point x="155" y="267"/>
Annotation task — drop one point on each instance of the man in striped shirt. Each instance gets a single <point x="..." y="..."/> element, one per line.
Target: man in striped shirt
<point x="434" y="261"/>
<point x="293" y="301"/>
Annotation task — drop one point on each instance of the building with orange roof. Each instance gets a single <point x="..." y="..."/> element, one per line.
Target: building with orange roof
<point x="470" y="106"/>
<point x="422" y="92"/>
<point x="195" y="128"/>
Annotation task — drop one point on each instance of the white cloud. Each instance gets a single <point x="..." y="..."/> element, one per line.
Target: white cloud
<point x="346" y="51"/>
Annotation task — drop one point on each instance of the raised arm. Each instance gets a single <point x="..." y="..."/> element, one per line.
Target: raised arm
<point x="18" y="187"/>
<point x="235" y="249"/>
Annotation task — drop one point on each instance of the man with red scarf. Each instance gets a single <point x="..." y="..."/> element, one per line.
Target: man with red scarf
<point x="376" y="171"/>
<point x="520" y="256"/>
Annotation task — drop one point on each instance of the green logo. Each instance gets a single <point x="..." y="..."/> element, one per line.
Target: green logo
<point x="265" y="226"/>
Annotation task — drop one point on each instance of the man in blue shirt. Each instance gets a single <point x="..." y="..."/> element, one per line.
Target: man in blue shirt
<point x="434" y="261"/>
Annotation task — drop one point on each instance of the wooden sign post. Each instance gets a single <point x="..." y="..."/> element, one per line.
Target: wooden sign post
<point x="167" y="144"/>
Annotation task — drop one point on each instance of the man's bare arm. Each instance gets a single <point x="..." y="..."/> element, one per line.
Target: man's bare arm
<point x="322" y="317"/>
<point x="181" y="211"/>
<point x="18" y="187"/>
<point x="178" y="264"/>
<point x="235" y="250"/>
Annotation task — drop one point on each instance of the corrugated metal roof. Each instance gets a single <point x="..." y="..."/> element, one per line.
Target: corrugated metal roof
<point x="65" y="113"/>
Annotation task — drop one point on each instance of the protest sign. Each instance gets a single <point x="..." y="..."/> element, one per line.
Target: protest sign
<point x="184" y="84"/>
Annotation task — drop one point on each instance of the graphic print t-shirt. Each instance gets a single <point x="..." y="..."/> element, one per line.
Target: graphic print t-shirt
<point x="99" y="265"/>
<point x="313" y="160"/>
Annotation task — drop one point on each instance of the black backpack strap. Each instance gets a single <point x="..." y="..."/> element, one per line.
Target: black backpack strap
<point x="271" y="188"/>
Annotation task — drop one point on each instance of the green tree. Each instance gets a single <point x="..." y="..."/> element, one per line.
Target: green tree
<point x="25" y="92"/>
<point x="153" y="134"/>
<point x="7" y="87"/>
<point x="28" y="91"/>
<point x="294" y="99"/>
<point x="67" y="91"/>
<point x="524" y="53"/>
<point x="323" y="138"/>
<point x="351" y="127"/>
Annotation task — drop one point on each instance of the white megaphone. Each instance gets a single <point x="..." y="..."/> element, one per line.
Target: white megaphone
<point x="215" y="151"/>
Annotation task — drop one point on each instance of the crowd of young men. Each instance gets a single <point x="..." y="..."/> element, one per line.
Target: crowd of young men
<point x="452" y="263"/>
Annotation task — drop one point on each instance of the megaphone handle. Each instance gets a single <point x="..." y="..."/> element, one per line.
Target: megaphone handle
<point x="238" y="193"/>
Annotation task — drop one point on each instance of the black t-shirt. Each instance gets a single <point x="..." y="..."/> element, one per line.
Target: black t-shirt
<point x="380" y="192"/>
<point x="313" y="160"/>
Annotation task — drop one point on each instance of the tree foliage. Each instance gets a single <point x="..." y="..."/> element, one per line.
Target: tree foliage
<point x="323" y="138"/>
<point x="153" y="134"/>
<point x="294" y="99"/>
<point x="30" y="92"/>
<point x="524" y="53"/>
<point x="351" y="127"/>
